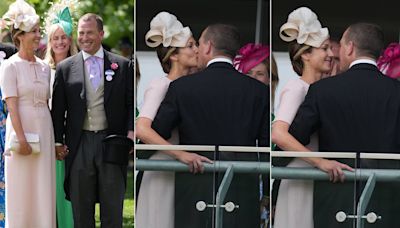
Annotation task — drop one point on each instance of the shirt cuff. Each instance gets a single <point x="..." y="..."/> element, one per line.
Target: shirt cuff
<point x="59" y="144"/>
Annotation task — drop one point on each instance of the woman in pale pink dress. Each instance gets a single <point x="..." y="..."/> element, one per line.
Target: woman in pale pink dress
<point x="30" y="174"/>
<point x="311" y="56"/>
<point x="177" y="52"/>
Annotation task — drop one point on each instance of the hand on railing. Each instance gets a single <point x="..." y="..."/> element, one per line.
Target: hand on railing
<point x="334" y="169"/>
<point x="193" y="160"/>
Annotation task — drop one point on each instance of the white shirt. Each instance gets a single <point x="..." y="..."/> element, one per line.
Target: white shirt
<point x="99" y="53"/>
<point x="358" y="61"/>
<point x="220" y="59"/>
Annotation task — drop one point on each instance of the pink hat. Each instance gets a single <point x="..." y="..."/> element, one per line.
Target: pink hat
<point x="389" y="61"/>
<point x="250" y="55"/>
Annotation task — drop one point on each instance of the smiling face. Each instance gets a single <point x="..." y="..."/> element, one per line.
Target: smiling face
<point x="89" y="36"/>
<point x="59" y="41"/>
<point x="30" y="40"/>
<point x="321" y="58"/>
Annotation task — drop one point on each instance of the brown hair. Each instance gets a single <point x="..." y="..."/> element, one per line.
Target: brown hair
<point x="15" y="33"/>
<point x="92" y="16"/>
<point x="367" y="38"/>
<point x="226" y="39"/>
<point x="295" y="52"/>
<point x="163" y="54"/>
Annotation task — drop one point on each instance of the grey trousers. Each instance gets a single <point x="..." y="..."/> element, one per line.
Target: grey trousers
<point x="93" y="181"/>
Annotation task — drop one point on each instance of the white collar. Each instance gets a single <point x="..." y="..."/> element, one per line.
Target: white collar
<point x="358" y="61"/>
<point x="220" y="59"/>
<point x="99" y="53"/>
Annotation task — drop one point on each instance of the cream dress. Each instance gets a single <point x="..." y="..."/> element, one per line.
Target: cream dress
<point x="294" y="206"/>
<point x="156" y="198"/>
<point x="30" y="180"/>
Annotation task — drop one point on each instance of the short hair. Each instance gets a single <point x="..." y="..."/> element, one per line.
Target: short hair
<point x="368" y="39"/>
<point x="226" y="38"/>
<point x="295" y="52"/>
<point x="92" y="16"/>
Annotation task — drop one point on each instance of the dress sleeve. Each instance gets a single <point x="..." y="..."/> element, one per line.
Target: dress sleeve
<point x="8" y="80"/>
<point x="290" y="100"/>
<point x="153" y="96"/>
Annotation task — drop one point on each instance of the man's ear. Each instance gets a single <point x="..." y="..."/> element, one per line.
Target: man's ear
<point x="350" y="50"/>
<point x="208" y="45"/>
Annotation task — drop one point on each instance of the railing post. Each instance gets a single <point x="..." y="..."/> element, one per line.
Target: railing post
<point x="364" y="200"/>
<point x="222" y="190"/>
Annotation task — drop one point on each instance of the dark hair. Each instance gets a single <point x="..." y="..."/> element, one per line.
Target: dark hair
<point x="92" y="16"/>
<point x="295" y="51"/>
<point x="368" y="39"/>
<point x="226" y="38"/>
<point x="14" y="36"/>
<point x="163" y="54"/>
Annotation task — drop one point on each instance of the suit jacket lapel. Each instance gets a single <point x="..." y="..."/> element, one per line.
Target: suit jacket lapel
<point x="108" y="83"/>
<point x="78" y="70"/>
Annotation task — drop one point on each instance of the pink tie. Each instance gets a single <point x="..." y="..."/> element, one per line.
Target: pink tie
<point x="94" y="68"/>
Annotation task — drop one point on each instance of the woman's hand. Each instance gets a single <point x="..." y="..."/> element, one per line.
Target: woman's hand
<point x="193" y="160"/>
<point x="24" y="148"/>
<point x="334" y="169"/>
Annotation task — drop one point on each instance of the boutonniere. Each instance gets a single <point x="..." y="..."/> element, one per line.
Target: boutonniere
<point x="114" y="66"/>
<point x="109" y="75"/>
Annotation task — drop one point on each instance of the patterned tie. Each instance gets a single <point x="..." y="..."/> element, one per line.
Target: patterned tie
<point x="94" y="68"/>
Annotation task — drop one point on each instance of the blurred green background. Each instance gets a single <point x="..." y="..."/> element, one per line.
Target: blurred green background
<point x="117" y="16"/>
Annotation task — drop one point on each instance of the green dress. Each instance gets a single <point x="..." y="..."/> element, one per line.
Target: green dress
<point x="64" y="208"/>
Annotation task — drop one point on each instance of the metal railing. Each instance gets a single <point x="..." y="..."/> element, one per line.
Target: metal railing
<point x="370" y="175"/>
<point x="229" y="167"/>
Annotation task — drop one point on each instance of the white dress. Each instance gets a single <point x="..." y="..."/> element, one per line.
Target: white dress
<point x="30" y="180"/>
<point x="294" y="206"/>
<point x="156" y="198"/>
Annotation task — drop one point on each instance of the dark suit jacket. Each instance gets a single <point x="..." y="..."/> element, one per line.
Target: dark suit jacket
<point x="69" y="97"/>
<point x="9" y="49"/>
<point x="217" y="106"/>
<point x="357" y="111"/>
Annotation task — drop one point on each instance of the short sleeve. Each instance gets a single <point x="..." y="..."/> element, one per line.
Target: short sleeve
<point x="8" y="80"/>
<point x="153" y="96"/>
<point x="291" y="98"/>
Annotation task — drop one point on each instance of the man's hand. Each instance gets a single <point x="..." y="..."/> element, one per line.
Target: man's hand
<point x="61" y="152"/>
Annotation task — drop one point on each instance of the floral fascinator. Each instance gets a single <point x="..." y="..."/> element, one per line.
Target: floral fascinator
<point x="249" y="56"/>
<point x="20" y="15"/>
<point x="389" y="61"/>
<point x="165" y="29"/>
<point x="59" y="14"/>
<point x="303" y="26"/>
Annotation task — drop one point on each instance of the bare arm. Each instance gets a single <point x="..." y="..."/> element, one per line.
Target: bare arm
<point x="281" y="137"/>
<point x="149" y="136"/>
<point x="12" y="105"/>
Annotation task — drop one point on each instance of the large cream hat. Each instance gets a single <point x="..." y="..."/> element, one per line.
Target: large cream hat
<point x="21" y="16"/>
<point x="165" y="29"/>
<point x="303" y="26"/>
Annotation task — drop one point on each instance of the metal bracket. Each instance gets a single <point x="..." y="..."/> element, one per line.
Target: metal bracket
<point x="370" y="217"/>
<point x="229" y="206"/>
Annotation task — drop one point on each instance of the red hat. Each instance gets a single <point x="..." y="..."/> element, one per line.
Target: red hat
<point x="250" y="55"/>
<point x="389" y="61"/>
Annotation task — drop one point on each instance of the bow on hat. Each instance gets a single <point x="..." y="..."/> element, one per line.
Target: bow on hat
<point x="21" y="16"/>
<point x="165" y="29"/>
<point x="303" y="25"/>
<point x="63" y="18"/>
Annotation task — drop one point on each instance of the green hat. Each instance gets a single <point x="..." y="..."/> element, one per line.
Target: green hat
<point x="64" y="19"/>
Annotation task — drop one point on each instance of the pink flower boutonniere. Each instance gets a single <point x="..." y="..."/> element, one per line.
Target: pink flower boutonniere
<point x="114" y="66"/>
